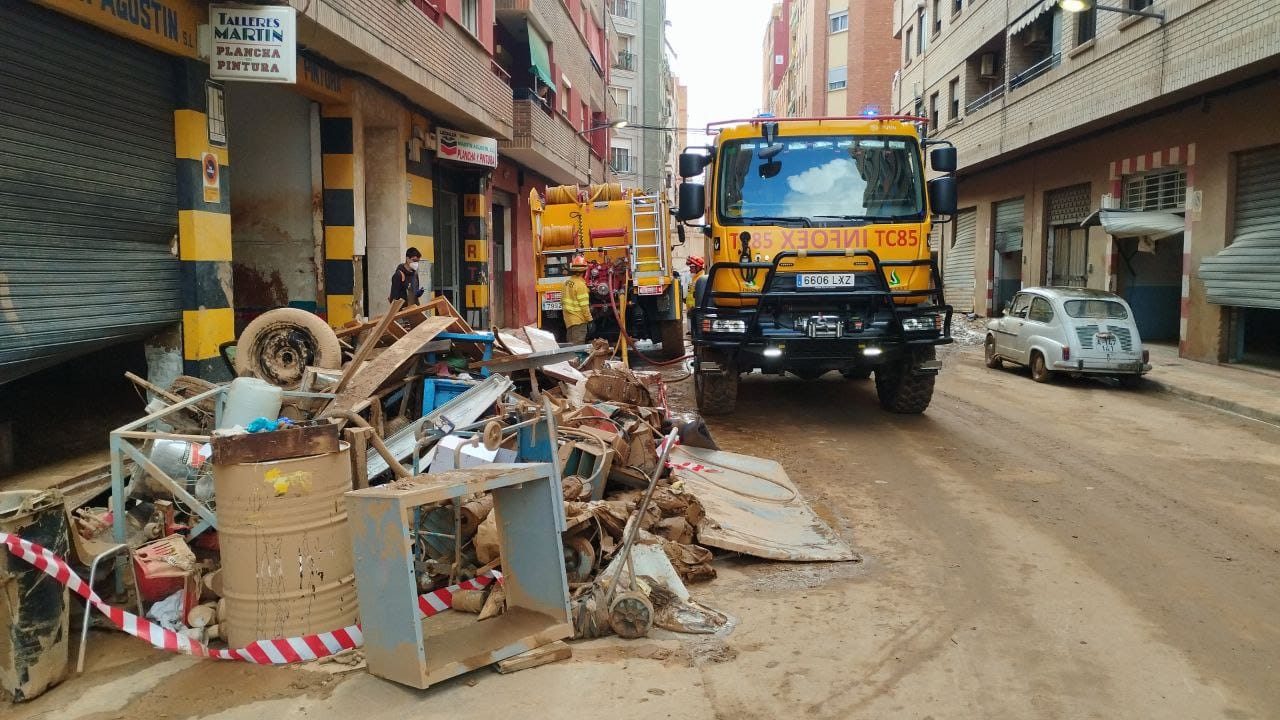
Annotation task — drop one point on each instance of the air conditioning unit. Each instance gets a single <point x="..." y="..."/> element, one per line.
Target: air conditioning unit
<point x="987" y="66"/>
<point x="1036" y="35"/>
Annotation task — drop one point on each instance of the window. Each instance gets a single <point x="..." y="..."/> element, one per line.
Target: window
<point x="1139" y="4"/>
<point x="623" y="8"/>
<point x="1018" y="308"/>
<point x="853" y="177"/>
<point x="620" y="159"/>
<point x="1086" y="25"/>
<point x="470" y="15"/>
<point x="933" y="111"/>
<point x="565" y="88"/>
<point x="1099" y="309"/>
<point x="837" y="78"/>
<point x="957" y="7"/>
<point x="937" y="17"/>
<point x="1041" y="311"/>
<point x="921" y="22"/>
<point x="586" y="116"/>
<point x="1166" y="190"/>
<point x="838" y="21"/>
<point x="953" y="98"/>
<point x="907" y="47"/>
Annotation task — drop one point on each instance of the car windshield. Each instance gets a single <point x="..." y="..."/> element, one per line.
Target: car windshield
<point x="834" y="177"/>
<point x="1101" y="309"/>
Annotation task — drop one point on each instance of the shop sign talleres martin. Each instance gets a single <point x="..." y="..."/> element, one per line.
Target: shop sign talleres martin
<point x="255" y="44"/>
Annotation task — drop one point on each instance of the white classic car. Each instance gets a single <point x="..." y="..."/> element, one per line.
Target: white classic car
<point x="1069" y="330"/>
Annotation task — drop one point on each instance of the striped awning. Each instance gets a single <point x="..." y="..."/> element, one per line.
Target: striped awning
<point x="1031" y="15"/>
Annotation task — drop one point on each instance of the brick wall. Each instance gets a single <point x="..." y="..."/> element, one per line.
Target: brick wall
<point x="439" y="66"/>
<point x="873" y="57"/>
<point x="1131" y="62"/>
<point x="570" y="52"/>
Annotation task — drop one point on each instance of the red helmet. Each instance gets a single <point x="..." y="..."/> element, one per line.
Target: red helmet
<point x="578" y="263"/>
<point x="696" y="264"/>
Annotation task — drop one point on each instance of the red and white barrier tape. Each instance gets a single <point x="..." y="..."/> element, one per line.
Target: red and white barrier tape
<point x="277" y="651"/>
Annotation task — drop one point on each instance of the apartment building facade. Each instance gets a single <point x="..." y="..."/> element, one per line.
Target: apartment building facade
<point x="829" y="57"/>
<point x="192" y="202"/>
<point x="643" y="89"/>
<point x="1113" y="151"/>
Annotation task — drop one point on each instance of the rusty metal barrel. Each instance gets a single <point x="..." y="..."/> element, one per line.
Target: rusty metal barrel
<point x="287" y="568"/>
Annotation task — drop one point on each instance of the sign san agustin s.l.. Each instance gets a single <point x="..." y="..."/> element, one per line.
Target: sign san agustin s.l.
<point x="255" y="44"/>
<point x="467" y="148"/>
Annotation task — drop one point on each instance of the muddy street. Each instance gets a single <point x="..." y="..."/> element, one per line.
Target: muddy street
<point x="1053" y="551"/>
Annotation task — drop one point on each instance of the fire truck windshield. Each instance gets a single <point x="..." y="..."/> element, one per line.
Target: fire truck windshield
<point x="827" y="178"/>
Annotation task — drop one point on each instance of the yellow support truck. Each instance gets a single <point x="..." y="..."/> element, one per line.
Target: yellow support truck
<point x="817" y="240"/>
<point x="624" y="236"/>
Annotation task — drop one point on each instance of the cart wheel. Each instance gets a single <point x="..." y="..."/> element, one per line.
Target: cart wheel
<point x="631" y="615"/>
<point x="579" y="559"/>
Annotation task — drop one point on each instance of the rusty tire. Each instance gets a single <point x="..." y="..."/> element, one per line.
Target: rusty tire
<point x="279" y="345"/>
<point x="1040" y="371"/>
<point x="631" y="615"/>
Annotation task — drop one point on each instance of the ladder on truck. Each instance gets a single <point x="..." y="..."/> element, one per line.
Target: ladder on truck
<point x="647" y="257"/>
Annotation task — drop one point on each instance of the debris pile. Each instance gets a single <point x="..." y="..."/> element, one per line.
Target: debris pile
<point x="259" y="509"/>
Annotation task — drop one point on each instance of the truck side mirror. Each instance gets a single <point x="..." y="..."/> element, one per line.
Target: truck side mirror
<point x="943" y="159"/>
<point x="693" y="200"/>
<point x="691" y="164"/>
<point x="942" y="196"/>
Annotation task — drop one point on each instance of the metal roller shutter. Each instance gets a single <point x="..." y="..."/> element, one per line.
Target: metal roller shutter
<point x="1008" y="219"/>
<point x="957" y="262"/>
<point x="1247" y="272"/>
<point x="88" y="190"/>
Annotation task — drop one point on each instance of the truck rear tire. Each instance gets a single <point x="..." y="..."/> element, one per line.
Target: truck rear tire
<point x="716" y="392"/>
<point x="672" y="339"/>
<point x="902" y="391"/>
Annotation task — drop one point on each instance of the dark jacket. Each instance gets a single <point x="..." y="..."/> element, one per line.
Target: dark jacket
<point x="404" y="285"/>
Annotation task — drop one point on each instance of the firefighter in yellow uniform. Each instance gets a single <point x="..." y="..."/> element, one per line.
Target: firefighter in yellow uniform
<point x="697" y="267"/>
<point x="575" y="302"/>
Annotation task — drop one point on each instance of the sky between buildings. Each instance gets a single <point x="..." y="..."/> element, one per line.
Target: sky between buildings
<point x="718" y="46"/>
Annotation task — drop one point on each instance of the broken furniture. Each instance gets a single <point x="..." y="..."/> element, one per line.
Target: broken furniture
<point x="399" y="644"/>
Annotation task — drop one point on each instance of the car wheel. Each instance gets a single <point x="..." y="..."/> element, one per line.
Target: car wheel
<point x="1039" y="370"/>
<point x="993" y="360"/>
<point x="1130" y="381"/>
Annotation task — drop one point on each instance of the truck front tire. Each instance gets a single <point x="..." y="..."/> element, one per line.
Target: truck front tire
<point x="716" y="392"/>
<point x="902" y="391"/>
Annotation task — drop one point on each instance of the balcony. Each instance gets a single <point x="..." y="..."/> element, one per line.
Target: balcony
<point x="1035" y="71"/>
<point x="546" y="143"/>
<point x="984" y="101"/>
<point x="625" y="60"/>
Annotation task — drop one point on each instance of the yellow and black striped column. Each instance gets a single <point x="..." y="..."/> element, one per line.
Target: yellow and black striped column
<point x="475" y="259"/>
<point x="337" y="148"/>
<point x="422" y="220"/>
<point x="204" y="229"/>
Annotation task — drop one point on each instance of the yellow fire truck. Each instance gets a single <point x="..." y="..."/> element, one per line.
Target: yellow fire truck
<point x="624" y="236"/>
<point x="817" y="240"/>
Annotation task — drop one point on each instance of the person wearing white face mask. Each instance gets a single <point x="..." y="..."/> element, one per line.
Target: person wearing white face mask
<point x="404" y="281"/>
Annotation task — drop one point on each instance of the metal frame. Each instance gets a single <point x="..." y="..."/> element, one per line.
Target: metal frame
<point x="121" y="446"/>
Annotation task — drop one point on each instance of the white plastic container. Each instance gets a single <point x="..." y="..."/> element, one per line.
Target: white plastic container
<point x="249" y="399"/>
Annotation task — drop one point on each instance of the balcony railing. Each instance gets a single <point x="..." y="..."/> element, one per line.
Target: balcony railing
<point x="625" y="60"/>
<point x="1035" y="71"/>
<point x="624" y="8"/>
<point x="985" y="100"/>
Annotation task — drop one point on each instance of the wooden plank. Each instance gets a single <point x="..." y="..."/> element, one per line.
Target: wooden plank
<point x="530" y="361"/>
<point x="549" y="653"/>
<point x="357" y="328"/>
<point x="370" y="342"/>
<point x="443" y="308"/>
<point x="279" y="445"/>
<point x="379" y="370"/>
<point x="358" y="439"/>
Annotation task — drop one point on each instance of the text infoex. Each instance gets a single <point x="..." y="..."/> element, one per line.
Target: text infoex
<point x="771" y="240"/>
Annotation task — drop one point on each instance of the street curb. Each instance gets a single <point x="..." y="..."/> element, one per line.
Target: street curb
<point x="1218" y="403"/>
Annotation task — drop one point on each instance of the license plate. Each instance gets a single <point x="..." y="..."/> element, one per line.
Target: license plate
<point x="826" y="280"/>
<point x="1105" y="343"/>
<point x="649" y="290"/>
<point x="551" y="301"/>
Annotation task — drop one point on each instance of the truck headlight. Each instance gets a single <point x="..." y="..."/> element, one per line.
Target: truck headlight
<point x="921" y="322"/>
<point x="726" y="326"/>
